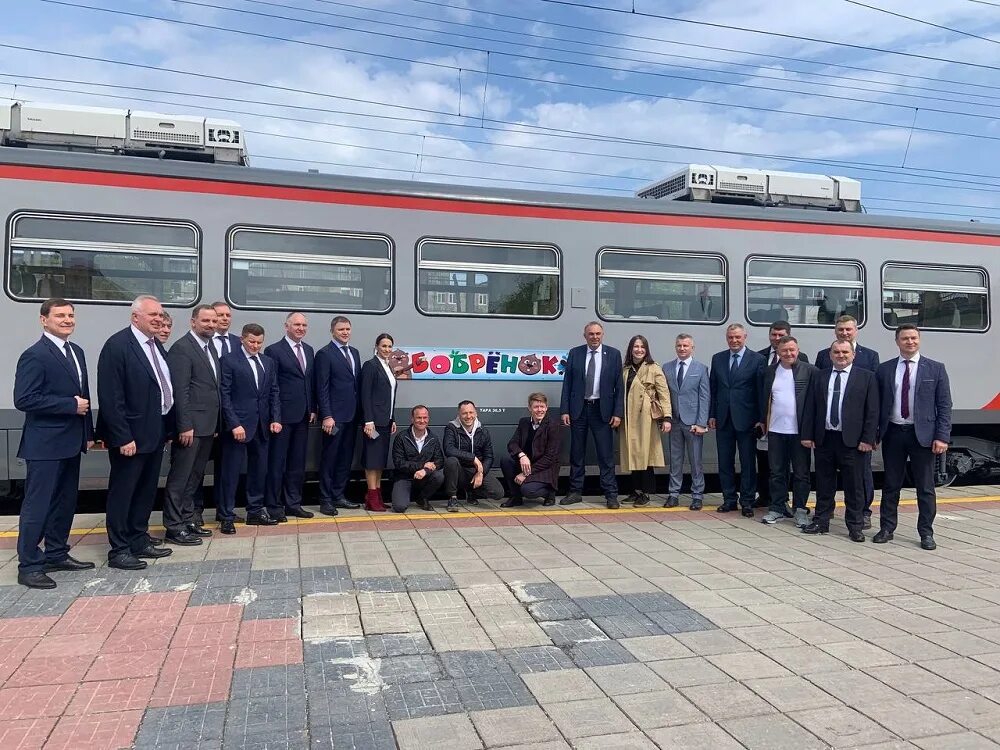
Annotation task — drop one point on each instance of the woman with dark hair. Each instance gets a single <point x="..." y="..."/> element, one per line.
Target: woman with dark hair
<point x="378" y="400"/>
<point x="647" y="416"/>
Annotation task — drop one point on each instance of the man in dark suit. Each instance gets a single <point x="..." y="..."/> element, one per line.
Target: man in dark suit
<point x="251" y="413"/>
<point x="194" y="374"/>
<point x="778" y="330"/>
<point x="915" y="424"/>
<point x="286" y="454"/>
<point x="734" y="412"/>
<point x="786" y="390"/>
<point x="531" y="464"/>
<point x="841" y="422"/>
<point x="51" y="387"/>
<point x="224" y="343"/>
<point x="134" y="421"/>
<point x="593" y="400"/>
<point x="867" y="359"/>
<point x="338" y="393"/>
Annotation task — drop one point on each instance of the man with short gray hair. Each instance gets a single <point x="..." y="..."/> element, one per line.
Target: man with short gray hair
<point x="687" y="380"/>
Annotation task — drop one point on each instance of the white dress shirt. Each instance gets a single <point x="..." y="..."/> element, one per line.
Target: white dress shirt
<point x="151" y="352"/>
<point x="598" y="353"/>
<point x="784" y="417"/>
<point x="392" y="383"/>
<point x="250" y="357"/>
<point x="829" y="397"/>
<point x="202" y="344"/>
<point x="687" y="366"/>
<point x="61" y="344"/>
<point x="896" y="415"/>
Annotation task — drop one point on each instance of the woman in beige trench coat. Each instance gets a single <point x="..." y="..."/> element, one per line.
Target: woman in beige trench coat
<point x="639" y="440"/>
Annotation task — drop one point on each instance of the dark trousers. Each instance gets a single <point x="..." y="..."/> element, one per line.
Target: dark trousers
<point x="869" y="482"/>
<point x="592" y="422"/>
<point x="254" y="452"/>
<point x="832" y="456"/>
<point x="286" y="470"/>
<point x="764" y="477"/>
<point x="404" y="491"/>
<point x="184" y="481"/>
<point x="336" y="461"/>
<point x="199" y="498"/>
<point x="510" y="467"/>
<point x="643" y="480"/>
<point x="458" y="477"/>
<point x="728" y="440"/>
<point x="900" y="443"/>
<point x="131" y="494"/>
<point x="50" y="489"/>
<point x="784" y="452"/>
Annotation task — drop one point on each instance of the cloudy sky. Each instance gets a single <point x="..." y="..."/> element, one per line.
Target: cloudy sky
<point x="585" y="95"/>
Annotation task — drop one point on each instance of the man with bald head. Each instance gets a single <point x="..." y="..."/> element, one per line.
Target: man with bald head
<point x="134" y="419"/>
<point x="286" y="472"/>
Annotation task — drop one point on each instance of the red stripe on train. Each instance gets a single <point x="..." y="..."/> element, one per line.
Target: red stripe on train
<point x="994" y="404"/>
<point x="318" y="195"/>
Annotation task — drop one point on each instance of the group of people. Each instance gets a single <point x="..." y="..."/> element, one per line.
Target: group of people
<point x="839" y="410"/>
<point x="218" y="395"/>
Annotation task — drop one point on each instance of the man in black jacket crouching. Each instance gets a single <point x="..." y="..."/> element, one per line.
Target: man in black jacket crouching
<point x="419" y="462"/>
<point x="468" y="450"/>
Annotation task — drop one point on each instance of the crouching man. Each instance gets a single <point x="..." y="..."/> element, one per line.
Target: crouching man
<point x="531" y="465"/>
<point x="468" y="451"/>
<point x="418" y="461"/>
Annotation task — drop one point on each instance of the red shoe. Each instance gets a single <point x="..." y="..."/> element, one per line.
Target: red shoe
<point x="373" y="501"/>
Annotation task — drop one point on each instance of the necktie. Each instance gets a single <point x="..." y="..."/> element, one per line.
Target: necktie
<point x="300" y="357"/>
<point x="72" y="362"/>
<point x="835" y="401"/>
<point x="259" y="370"/>
<point x="774" y="357"/>
<point x="904" y="395"/>
<point x="168" y="396"/>
<point x="588" y="383"/>
<point x="211" y="362"/>
<point x="680" y="374"/>
<point x="224" y="342"/>
<point x="734" y="364"/>
<point x="348" y="357"/>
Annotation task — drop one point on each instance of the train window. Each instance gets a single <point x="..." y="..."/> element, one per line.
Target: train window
<point x="102" y="259"/>
<point x="935" y="297"/>
<point x="804" y="292"/>
<point x="471" y="277"/>
<point x="272" y="267"/>
<point x="661" y="286"/>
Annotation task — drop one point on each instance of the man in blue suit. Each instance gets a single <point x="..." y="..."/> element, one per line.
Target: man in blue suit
<point x="224" y="343"/>
<point x="286" y="455"/>
<point x="135" y="421"/>
<point x="51" y="387"/>
<point x="251" y="413"/>
<point x="865" y="359"/>
<point x="338" y="392"/>
<point x="593" y="400"/>
<point x="915" y="424"/>
<point x="687" y="380"/>
<point x="734" y="412"/>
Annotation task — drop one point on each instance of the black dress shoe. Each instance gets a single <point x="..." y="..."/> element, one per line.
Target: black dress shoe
<point x="747" y="512"/>
<point x="345" y="504"/>
<point x="856" y="535"/>
<point x="511" y="503"/>
<point x="695" y="505"/>
<point x="868" y="521"/>
<point x="328" y="510"/>
<point x="67" y="563"/>
<point x="571" y="499"/>
<point x="279" y="517"/>
<point x="816" y="528"/>
<point x="725" y="508"/>
<point x="127" y="562"/>
<point x="199" y="519"/>
<point x="197" y="530"/>
<point x="882" y="537"/>
<point x="471" y="500"/>
<point x="154" y="553"/>
<point x="613" y="504"/>
<point x="227" y="527"/>
<point x="36" y="580"/>
<point x="237" y="518"/>
<point x="549" y="500"/>
<point x="182" y="538"/>
<point x="299" y="512"/>
<point x="261" y="519"/>
<point x="927" y="542"/>
<point x="154" y="541"/>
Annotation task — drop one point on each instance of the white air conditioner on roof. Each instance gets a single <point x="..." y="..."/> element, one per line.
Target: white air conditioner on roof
<point x="67" y="121"/>
<point x="152" y="129"/>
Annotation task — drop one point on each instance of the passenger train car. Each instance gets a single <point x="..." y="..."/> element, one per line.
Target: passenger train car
<point x="483" y="289"/>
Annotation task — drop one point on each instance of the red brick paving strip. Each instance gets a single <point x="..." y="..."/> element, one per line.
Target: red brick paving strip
<point x="25" y="734"/>
<point x="268" y="653"/>
<point x="35" y="702"/>
<point x="112" y="695"/>
<point x="95" y="731"/>
<point x="12" y="653"/>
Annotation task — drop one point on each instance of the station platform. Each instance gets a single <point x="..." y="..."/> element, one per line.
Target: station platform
<point x="534" y="627"/>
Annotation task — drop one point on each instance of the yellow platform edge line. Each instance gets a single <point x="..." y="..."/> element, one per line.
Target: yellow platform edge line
<point x="443" y="516"/>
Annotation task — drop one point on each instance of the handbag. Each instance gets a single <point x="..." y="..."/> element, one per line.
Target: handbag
<point x="655" y="409"/>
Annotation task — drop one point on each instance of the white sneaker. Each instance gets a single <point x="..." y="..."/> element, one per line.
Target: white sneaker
<point x="801" y="517"/>
<point x="772" y="517"/>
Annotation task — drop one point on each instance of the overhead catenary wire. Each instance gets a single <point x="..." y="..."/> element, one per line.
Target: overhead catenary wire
<point x="923" y="21"/>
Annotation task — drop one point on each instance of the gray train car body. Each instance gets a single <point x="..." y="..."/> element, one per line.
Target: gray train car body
<point x="461" y="270"/>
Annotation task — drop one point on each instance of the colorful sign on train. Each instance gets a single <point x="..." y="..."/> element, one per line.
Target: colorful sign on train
<point x="472" y="363"/>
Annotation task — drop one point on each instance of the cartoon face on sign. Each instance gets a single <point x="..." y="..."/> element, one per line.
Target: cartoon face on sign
<point x="399" y="361"/>
<point x="530" y="364"/>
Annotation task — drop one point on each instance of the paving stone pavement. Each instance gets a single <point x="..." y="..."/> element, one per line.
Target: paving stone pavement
<point x="544" y="630"/>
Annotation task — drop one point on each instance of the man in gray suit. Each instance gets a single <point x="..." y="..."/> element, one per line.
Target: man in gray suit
<point x="194" y="372"/>
<point x="689" y="401"/>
